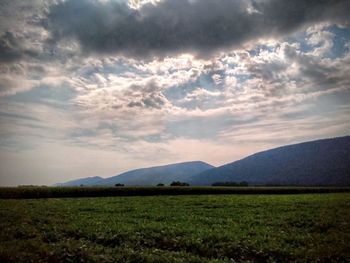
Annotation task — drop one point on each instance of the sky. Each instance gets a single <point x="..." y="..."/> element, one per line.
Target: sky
<point x="98" y="87"/>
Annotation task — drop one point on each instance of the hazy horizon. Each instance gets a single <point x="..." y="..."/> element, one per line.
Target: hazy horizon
<point x="100" y="87"/>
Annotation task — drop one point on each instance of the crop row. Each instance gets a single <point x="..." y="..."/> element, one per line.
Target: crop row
<point x="55" y="192"/>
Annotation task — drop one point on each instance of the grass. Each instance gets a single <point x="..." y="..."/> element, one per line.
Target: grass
<point x="205" y="228"/>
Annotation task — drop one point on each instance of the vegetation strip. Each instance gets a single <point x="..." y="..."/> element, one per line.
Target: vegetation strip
<point x="57" y="192"/>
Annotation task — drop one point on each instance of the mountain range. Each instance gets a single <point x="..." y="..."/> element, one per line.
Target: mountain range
<point x="148" y="176"/>
<point x="321" y="162"/>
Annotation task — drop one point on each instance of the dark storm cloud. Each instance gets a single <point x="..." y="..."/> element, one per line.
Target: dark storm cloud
<point x="20" y="28"/>
<point x="13" y="48"/>
<point x="175" y="26"/>
<point x="9" y="48"/>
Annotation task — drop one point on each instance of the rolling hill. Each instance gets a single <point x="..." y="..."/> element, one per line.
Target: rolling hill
<point x="83" y="181"/>
<point x="159" y="174"/>
<point x="321" y="162"/>
<point x="148" y="176"/>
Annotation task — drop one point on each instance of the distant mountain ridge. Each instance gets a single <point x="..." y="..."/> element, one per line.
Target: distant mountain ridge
<point x="83" y="181"/>
<point x="321" y="162"/>
<point x="159" y="174"/>
<point x="148" y="176"/>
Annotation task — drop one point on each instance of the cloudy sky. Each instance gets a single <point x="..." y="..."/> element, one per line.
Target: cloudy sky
<point x="97" y="87"/>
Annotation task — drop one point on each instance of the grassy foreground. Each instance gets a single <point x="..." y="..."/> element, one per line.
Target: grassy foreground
<point x="206" y="228"/>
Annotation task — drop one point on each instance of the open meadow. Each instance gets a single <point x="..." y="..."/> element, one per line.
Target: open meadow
<point x="191" y="228"/>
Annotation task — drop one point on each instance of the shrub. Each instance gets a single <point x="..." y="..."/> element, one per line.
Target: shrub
<point x="119" y="185"/>
<point x="160" y="184"/>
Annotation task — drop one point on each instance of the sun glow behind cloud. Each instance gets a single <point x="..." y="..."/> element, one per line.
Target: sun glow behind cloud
<point x="162" y="82"/>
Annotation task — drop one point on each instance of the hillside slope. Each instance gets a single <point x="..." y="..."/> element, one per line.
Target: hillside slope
<point x="83" y="181"/>
<point x="322" y="162"/>
<point x="147" y="176"/>
<point x="159" y="174"/>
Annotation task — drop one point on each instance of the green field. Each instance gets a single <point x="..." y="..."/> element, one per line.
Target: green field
<point x="191" y="228"/>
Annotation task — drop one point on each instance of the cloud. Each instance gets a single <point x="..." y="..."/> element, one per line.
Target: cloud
<point x="9" y="48"/>
<point x="183" y="26"/>
<point x="21" y="34"/>
<point x="148" y="96"/>
<point x="23" y="76"/>
<point x="128" y="84"/>
<point x="196" y="98"/>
